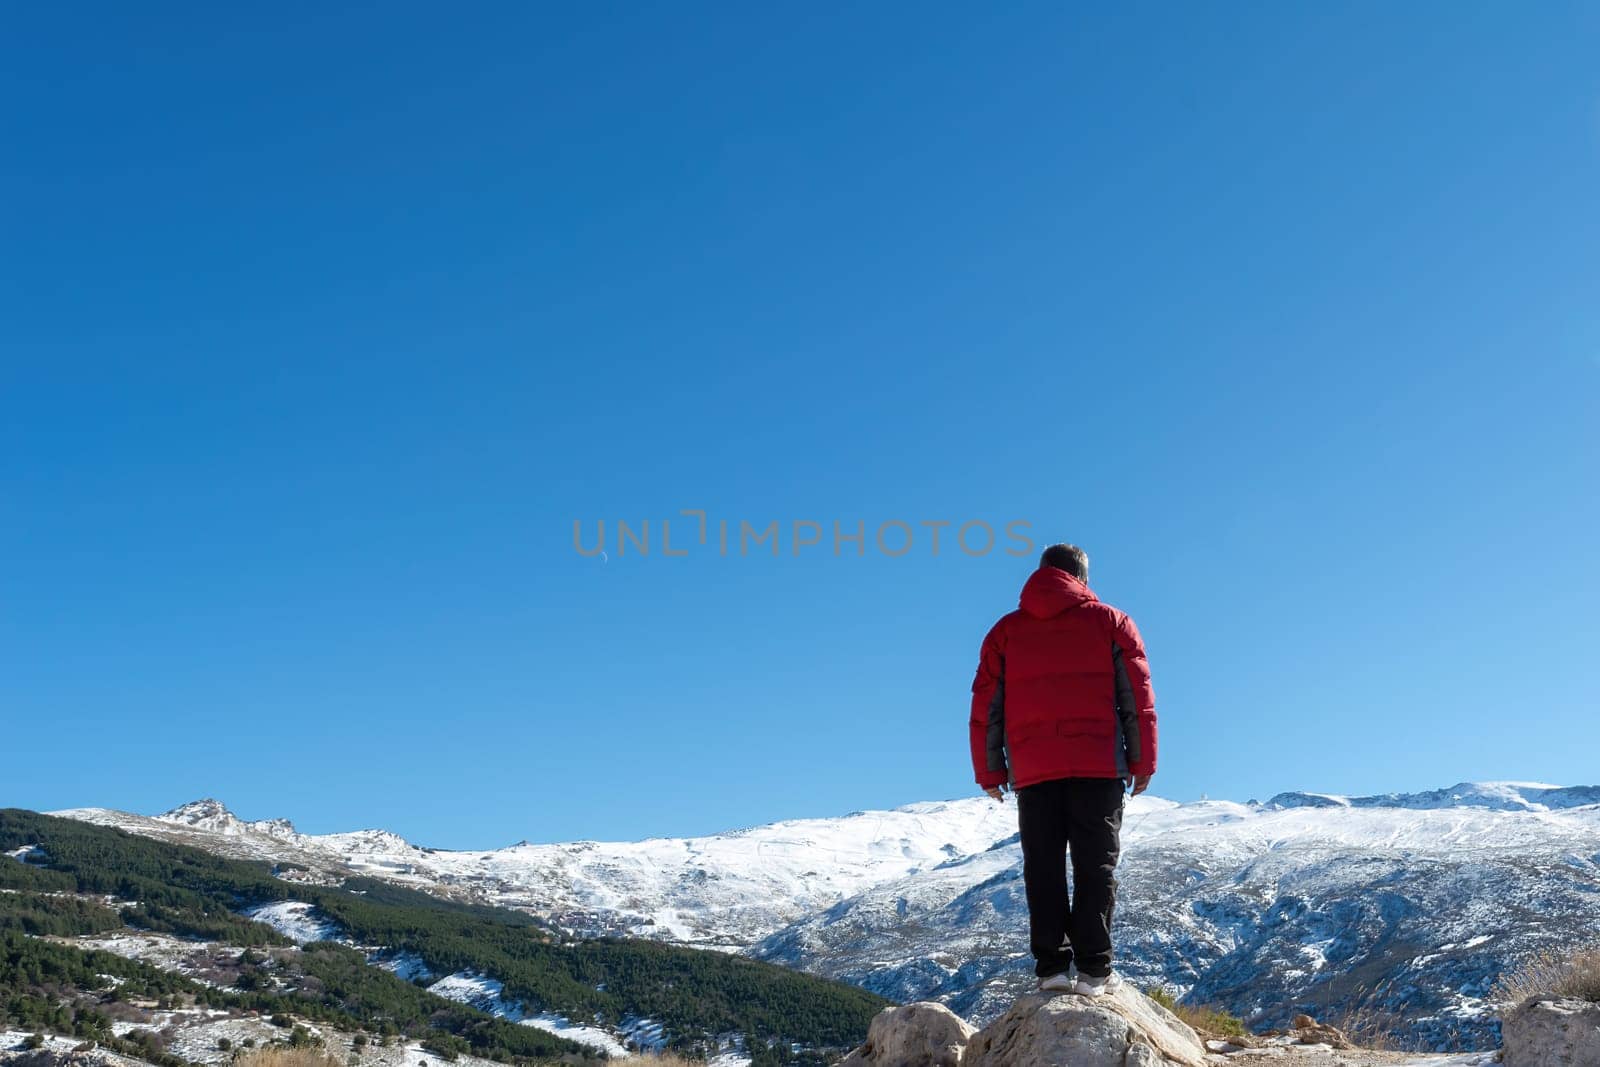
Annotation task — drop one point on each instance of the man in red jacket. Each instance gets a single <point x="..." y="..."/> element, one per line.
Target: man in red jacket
<point x="1063" y="712"/>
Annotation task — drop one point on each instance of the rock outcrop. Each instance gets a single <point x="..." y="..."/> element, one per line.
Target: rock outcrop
<point x="1123" y="1029"/>
<point x="1307" y="1031"/>
<point x="1551" y="1032"/>
<point x="915" y="1035"/>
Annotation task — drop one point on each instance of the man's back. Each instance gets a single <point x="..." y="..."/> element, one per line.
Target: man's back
<point x="1062" y="690"/>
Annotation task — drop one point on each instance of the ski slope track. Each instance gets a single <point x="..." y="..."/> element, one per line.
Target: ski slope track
<point x="1409" y="904"/>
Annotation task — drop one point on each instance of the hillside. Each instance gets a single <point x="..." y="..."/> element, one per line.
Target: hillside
<point x="727" y="889"/>
<point x="368" y="955"/>
<point x="1402" y="906"/>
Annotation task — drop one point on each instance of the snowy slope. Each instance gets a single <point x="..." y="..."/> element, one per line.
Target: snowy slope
<point x="1404" y="902"/>
<point x="725" y="890"/>
<point x="1411" y="906"/>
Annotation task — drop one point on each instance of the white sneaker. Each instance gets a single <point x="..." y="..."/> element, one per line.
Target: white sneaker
<point x="1089" y="986"/>
<point x="1057" y="983"/>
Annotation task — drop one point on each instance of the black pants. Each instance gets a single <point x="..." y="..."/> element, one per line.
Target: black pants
<point x="1085" y="816"/>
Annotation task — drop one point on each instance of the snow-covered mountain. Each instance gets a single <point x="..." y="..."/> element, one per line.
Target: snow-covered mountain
<point x="1409" y="903"/>
<point x="726" y="890"/>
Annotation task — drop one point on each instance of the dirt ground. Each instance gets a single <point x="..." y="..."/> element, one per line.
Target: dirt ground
<point x="1323" y="1056"/>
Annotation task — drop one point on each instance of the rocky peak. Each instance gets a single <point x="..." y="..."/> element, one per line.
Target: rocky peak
<point x="213" y="815"/>
<point x="203" y="812"/>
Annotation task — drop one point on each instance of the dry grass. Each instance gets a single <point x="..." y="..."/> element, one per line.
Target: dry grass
<point x="1369" y="1024"/>
<point x="287" y="1057"/>
<point x="1208" y="1021"/>
<point x="310" y="1057"/>
<point x="1551" y="973"/>
<point x="1372" y="1028"/>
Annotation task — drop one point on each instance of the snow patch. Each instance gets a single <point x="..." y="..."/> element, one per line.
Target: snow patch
<point x="592" y="1036"/>
<point x="16" y="1041"/>
<point x="644" y="1032"/>
<point x="407" y="966"/>
<point x="478" y="990"/>
<point x="488" y="995"/>
<point x="295" y="919"/>
<point x="164" y="951"/>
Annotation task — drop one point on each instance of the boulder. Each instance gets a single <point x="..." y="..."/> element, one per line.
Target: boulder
<point x="1121" y="1029"/>
<point x="923" y="1034"/>
<point x="1307" y="1031"/>
<point x="1551" y="1032"/>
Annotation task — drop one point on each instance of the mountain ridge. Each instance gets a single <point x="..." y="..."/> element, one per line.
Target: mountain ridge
<point x="211" y="814"/>
<point x="1403" y="902"/>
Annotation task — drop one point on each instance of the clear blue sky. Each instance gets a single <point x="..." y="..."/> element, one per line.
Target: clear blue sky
<point x="321" y="327"/>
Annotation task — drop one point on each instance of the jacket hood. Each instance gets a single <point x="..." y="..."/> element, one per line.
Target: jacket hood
<point x="1050" y="591"/>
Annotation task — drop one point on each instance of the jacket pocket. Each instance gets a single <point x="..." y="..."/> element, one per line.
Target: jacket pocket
<point x="1021" y="733"/>
<point x="1095" y="728"/>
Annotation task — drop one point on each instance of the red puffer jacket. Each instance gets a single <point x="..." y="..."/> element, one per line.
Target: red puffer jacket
<point x="1062" y="690"/>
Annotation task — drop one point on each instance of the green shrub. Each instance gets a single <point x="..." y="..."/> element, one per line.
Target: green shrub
<point x="1210" y="1021"/>
<point x="446" y="1048"/>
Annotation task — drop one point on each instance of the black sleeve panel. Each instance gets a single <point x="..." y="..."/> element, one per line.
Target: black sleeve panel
<point x="995" y="742"/>
<point x="1127" y="706"/>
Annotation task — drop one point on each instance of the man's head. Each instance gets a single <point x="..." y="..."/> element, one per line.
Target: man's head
<point x="1070" y="558"/>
